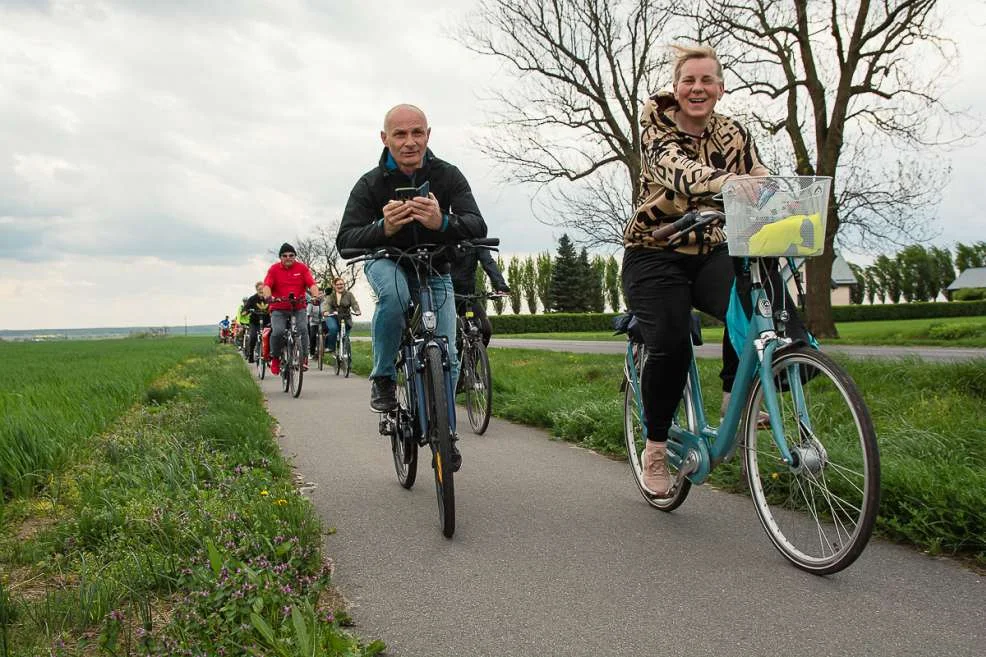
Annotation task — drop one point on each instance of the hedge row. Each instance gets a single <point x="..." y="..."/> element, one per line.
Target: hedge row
<point x="569" y="322"/>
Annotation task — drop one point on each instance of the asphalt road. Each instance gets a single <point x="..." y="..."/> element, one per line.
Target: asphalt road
<point x="555" y="553"/>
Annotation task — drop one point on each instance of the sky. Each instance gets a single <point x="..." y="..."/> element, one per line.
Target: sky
<point x="155" y="154"/>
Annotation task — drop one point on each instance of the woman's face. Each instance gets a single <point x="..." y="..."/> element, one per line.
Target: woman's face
<point x="698" y="89"/>
<point x="339" y="285"/>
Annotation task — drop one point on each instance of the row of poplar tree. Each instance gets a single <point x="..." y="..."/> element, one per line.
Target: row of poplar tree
<point x="917" y="273"/>
<point x="574" y="282"/>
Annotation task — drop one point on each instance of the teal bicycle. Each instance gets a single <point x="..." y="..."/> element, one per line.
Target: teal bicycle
<point x="814" y="469"/>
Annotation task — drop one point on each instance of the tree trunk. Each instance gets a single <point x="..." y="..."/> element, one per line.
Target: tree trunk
<point x="818" y="307"/>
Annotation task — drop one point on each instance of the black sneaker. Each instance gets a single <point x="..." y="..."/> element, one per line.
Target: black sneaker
<point x="383" y="394"/>
<point x="456" y="456"/>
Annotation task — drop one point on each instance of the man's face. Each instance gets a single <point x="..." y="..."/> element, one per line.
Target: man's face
<point x="259" y="288"/>
<point x="287" y="259"/>
<point x="699" y="88"/>
<point x="406" y="137"/>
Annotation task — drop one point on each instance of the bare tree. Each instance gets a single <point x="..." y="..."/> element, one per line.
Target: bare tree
<point x="583" y="69"/>
<point x="319" y="252"/>
<point x="841" y="80"/>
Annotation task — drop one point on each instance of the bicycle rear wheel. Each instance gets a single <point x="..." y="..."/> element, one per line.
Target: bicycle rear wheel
<point x="347" y="356"/>
<point x="403" y="442"/>
<point x="819" y="510"/>
<point x="478" y="387"/>
<point x="635" y="437"/>
<point x="440" y="438"/>
<point x="297" y="371"/>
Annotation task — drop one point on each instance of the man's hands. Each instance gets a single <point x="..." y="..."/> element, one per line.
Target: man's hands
<point x="425" y="211"/>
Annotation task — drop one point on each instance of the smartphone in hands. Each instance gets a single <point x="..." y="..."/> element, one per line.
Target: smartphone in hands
<point x="407" y="193"/>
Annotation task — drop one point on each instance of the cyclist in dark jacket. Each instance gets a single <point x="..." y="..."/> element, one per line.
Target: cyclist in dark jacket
<point x="446" y="213"/>
<point x="464" y="282"/>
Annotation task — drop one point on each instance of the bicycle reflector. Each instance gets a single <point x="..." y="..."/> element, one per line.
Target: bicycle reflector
<point x="429" y="320"/>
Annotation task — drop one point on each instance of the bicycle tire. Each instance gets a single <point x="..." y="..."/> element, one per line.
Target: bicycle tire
<point x="403" y="443"/>
<point x="478" y="387"/>
<point x="347" y="355"/>
<point x="321" y="350"/>
<point x="633" y="434"/>
<point x="440" y="438"/>
<point x="835" y="470"/>
<point x="337" y="352"/>
<point x="297" y="370"/>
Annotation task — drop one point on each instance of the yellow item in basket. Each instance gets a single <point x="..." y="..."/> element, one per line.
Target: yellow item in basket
<point x="797" y="235"/>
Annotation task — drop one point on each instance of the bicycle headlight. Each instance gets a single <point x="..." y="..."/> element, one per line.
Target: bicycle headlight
<point x="429" y="320"/>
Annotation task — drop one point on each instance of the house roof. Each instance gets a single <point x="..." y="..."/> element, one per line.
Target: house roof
<point x="972" y="277"/>
<point x="841" y="273"/>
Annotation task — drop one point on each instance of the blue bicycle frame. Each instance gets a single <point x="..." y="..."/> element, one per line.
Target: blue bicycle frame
<point x="759" y="348"/>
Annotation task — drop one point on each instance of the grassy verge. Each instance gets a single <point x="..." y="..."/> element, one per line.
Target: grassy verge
<point x="950" y="332"/>
<point x="930" y="420"/>
<point x="175" y="530"/>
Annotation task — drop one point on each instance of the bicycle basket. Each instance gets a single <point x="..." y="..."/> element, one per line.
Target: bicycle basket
<point x="776" y="215"/>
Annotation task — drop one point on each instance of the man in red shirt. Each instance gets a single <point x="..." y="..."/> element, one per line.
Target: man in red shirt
<point x="289" y="276"/>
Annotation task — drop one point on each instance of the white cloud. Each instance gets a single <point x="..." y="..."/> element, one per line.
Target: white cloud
<point x="153" y="153"/>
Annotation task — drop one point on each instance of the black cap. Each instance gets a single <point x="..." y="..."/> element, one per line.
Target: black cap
<point x="286" y="248"/>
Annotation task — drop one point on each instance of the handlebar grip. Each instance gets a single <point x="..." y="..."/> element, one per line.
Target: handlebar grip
<point x="349" y="253"/>
<point x="486" y="241"/>
<point x="665" y="231"/>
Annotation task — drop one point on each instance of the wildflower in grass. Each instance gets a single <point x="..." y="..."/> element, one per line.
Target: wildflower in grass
<point x="264" y="492"/>
<point x="280" y="502"/>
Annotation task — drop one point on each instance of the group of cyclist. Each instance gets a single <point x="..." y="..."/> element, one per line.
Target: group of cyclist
<point x="688" y="152"/>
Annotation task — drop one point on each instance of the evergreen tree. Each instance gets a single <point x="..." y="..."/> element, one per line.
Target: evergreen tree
<point x="858" y="292"/>
<point x="567" y="276"/>
<point x="481" y="285"/>
<point x="613" y="283"/>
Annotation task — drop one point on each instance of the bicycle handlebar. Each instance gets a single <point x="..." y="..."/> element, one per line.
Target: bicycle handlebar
<point x="416" y="250"/>
<point x="689" y="222"/>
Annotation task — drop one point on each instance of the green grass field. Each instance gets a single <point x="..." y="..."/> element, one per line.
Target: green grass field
<point x="949" y="332"/>
<point x="159" y="517"/>
<point x="930" y="420"/>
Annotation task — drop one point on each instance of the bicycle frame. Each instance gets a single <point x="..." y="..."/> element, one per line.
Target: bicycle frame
<point x="695" y="455"/>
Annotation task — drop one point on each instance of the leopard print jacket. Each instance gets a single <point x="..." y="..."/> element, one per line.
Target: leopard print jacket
<point x="681" y="172"/>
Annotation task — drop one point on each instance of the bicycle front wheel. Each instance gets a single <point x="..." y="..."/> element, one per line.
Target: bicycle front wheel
<point x="478" y="387"/>
<point x="286" y="366"/>
<point x="440" y="438"/>
<point x="321" y="350"/>
<point x="635" y="436"/>
<point x="403" y="442"/>
<point x="297" y="371"/>
<point x="347" y="356"/>
<point x="818" y="510"/>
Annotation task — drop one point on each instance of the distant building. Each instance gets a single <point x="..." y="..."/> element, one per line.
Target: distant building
<point x="843" y="280"/>
<point x="974" y="277"/>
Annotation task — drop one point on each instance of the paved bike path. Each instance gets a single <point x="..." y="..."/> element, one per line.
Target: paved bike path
<point x="555" y="553"/>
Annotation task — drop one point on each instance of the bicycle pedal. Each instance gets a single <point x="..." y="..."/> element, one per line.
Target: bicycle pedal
<point x="386" y="426"/>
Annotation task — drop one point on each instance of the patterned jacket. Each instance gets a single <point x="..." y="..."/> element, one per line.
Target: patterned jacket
<point x="681" y="172"/>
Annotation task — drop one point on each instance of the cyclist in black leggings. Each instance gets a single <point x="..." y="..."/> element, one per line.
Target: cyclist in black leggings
<point x="689" y="151"/>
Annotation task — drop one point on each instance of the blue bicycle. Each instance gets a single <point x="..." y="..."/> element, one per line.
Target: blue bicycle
<point x="813" y="469"/>
<point x="425" y="413"/>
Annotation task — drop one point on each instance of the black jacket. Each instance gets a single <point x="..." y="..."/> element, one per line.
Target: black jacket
<point x="464" y="271"/>
<point x="362" y="222"/>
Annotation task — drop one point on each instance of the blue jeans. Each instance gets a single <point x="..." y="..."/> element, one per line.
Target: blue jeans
<point x="390" y="286"/>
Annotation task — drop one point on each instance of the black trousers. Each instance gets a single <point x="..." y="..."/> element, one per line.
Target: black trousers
<point x="479" y="314"/>
<point x="661" y="288"/>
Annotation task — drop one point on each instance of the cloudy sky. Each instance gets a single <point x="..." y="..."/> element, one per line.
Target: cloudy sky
<point x="154" y="154"/>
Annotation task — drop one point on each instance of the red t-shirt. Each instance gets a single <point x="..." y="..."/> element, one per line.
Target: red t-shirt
<point x="282" y="281"/>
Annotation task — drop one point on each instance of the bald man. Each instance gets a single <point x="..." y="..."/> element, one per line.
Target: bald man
<point x="375" y="217"/>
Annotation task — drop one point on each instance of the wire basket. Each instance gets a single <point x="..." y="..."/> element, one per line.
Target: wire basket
<point x="776" y="215"/>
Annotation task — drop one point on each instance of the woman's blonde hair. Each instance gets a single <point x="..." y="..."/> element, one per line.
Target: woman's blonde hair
<point x="685" y="53"/>
<point x="338" y="278"/>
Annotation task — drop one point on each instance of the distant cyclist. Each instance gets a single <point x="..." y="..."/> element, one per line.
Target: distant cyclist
<point x="314" y="311"/>
<point x="224" y="328"/>
<point x="286" y="277"/>
<point x="338" y="305"/>
<point x="259" y="313"/>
